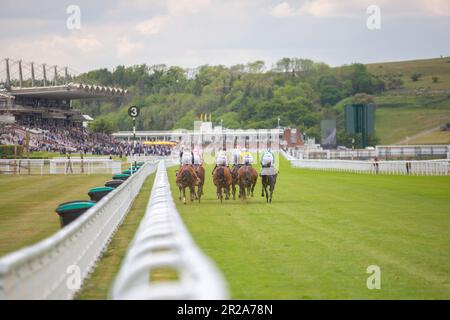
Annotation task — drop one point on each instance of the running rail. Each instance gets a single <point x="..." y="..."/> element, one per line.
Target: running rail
<point x="163" y="242"/>
<point x="55" y="268"/>
<point x="415" y="167"/>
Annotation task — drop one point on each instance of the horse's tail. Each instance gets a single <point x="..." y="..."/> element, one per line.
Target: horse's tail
<point x="221" y="173"/>
<point x="248" y="177"/>
<point x="186" y="177"/>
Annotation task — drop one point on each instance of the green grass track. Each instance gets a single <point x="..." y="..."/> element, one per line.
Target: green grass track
<point x="322" y="231"/>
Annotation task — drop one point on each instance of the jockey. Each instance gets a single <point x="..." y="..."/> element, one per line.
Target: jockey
<point x="246" y="157"/>
<point x="267" y="159"/>
<point x="236" y="156"/>
<point x="197" y="158"/>
<point x="186" y="158"/>
<point x="221" y="159"/>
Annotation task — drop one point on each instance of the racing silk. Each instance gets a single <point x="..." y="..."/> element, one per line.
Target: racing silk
<point x="221" y="159"/>
<point x="186" y="158"/>
<point x="267" y="160"/>
<point x="236" y="155"/>
<point x="246" y="158"/>
<point x="197" y="158"/>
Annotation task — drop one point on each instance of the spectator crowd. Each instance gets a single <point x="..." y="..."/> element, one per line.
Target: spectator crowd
<point x="74" y="139"/>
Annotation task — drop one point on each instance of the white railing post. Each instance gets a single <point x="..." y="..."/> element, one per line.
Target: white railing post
<point x="47" y="269"/>
<point x="162" y="241"/>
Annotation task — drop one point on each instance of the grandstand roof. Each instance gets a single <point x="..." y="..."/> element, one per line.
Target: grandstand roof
<point x="68" y="91"/>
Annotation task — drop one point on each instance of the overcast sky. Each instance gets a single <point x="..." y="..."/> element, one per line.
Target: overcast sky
<point x="190" y="33"/>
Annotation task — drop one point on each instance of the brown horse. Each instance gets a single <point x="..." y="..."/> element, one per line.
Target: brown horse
<point x="200" y="172"/>
<point x="222" y="180"/>
<point x="234" y="180"/>
<point x="186" y="179"/>
<point x="247" y="177"/>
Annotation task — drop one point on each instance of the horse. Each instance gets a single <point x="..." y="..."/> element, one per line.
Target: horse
<point x="234" y="180"/>
<point x="268" y="181"/>
<point x="200" y="172"/>
<point x="247" y="178"/>
<point x="186" y="179"/>
<point x="222" y="180"/>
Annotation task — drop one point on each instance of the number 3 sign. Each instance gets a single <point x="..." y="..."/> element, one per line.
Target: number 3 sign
<point x="133" y="111"/>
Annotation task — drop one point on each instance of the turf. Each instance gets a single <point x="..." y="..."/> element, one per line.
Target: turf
<point x="394" y="125"/>
<point x="28" y="203"/>
<point x="97" y="286"/>
<point x="436" y="137"/>
<point x="316" y="240"/>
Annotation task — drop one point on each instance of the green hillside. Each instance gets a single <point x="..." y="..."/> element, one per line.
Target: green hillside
<point x="415" y="109"/>
<point x="429" y="68"/>
<point x="401" y="116"/>
<point x="412" y="97"/>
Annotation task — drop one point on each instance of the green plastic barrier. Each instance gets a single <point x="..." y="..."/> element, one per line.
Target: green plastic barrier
<point x="96" y="194"/>
<point x="69" y="211"/>
<point x="113" y="183"/>
<point x="121" y="176"/>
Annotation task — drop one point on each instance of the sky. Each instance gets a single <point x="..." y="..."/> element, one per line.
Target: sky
<point x="190" y="33"/>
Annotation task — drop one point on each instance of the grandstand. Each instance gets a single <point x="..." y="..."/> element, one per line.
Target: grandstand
<point x="50" y="105"/>
<point x="40" y="116"/>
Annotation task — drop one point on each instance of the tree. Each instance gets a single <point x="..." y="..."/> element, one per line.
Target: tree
<point x="284" y="65"/>
<point x="101" y="125"/>
<point x="416" y="76"/>
<point x="256" y="66"/>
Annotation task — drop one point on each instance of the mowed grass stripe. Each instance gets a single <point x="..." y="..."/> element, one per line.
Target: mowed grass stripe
<point x="97" y="286"/>
<point x="28" y="203"/>
<point x="323" y="230"/>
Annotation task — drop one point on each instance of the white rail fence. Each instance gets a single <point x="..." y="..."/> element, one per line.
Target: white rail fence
<point x="55" y="267"/>
<point x="60" y="166"/>
<point x="24" y="166"/>
<point x="162" y="241"/>
<point x="84" y="166"/>
<point x="380" y="167"/>
<point x="382" y="151"/>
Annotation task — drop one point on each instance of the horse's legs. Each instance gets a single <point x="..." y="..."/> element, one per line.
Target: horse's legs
<point x="179" y="198"/>
<point x="227" y="192"/>
<point x="184" y="195"/>
<point x="243" y="192"/>
<point x="200" y="191"/>
<point x="193" y="193"/>
<point x="262" y="189"/>
<point x="233" y="190"/>
<point x="267" y="193"/>
<point x="219" y="193"/>
<point x="272" y="189"/>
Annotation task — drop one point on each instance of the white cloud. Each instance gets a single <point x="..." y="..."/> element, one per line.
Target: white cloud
<point x="152" y="26"/>
<point x="175" y="9"/>
<point x="437" y="7"/>
<point x="180" y="7"/>
<point x="283" y="9"/>
<point x="125" y="47"/>
<point x="87" y="44"/>
<point x="195" y="32"/>
<point x="351" y="8"/>
<point x="320" y="8"/>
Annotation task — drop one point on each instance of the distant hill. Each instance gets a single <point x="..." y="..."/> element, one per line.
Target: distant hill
<point x="414" y="112"/>
<point x="428" y="68"/>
